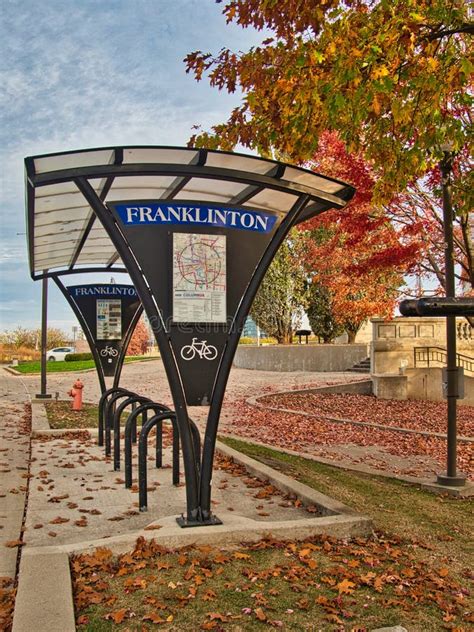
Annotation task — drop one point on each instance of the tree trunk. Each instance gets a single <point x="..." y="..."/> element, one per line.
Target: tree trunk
<point x="351" y="337"/>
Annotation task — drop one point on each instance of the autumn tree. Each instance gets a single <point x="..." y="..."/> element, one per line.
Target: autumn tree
<point x="357" y="254"/>
<point x="320" y="313"/>
<point x="278" y="306"/>
<point x="138" y="344"/>
<point x="31" y="338"/>
<point x="391" y="77"/>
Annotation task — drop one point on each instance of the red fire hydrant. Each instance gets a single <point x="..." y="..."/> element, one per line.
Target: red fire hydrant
<point x="76" y="394"/>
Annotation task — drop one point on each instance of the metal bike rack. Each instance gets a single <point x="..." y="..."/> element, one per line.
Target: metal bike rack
<point x="133" y="400"/>
<point x="142" y="454"/>
<point x="109" y="409"/>
<point x="102" y="404"/>
<point x="130" y="427"/>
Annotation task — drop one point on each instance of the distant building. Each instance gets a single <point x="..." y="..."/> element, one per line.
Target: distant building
<point x="250" y="329"/>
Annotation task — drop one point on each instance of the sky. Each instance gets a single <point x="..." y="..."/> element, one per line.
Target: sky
<point x="92" y="73"/>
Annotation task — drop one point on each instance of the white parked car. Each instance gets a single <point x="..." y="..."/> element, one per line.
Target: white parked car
<point x="59" y="353"/>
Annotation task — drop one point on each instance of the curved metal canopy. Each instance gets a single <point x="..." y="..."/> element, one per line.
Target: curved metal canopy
<point x="64" y="235"/>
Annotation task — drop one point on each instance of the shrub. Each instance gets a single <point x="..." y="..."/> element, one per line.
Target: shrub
<point x="246" y="340"/>
<point x="78" y="357"/>
<point x="10" y="352"/>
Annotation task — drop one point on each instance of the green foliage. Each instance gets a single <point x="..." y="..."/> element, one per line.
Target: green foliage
<point x="278" y="306"/>
<point x="78" y="357"/>
<point x="392" y="77"/>
<point x="320" y="315"/>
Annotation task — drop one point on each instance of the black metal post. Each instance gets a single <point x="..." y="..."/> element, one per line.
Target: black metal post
<point x="44" y="338"/>
<point x="451" y="477"/>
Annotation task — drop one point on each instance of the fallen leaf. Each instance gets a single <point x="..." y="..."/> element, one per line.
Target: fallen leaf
<point x="345" y="587"/>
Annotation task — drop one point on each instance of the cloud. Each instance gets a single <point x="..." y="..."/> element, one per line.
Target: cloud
<point x="90" y="74"/>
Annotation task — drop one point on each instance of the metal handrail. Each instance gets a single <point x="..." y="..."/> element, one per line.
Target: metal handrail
<point x="439" y="355"/>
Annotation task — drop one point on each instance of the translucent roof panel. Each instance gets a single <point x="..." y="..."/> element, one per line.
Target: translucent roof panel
<point x="140" y="187"/>
<point x="205" y="189"/>
<point x="159" y="155"/>
<point x="55" y="162"/>
<point x="272" y="200"/>
<point x="65" y="235"/>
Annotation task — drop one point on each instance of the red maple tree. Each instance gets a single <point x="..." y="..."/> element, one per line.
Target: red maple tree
<point x="138" y="344"/>
<point x="358" y="254"/>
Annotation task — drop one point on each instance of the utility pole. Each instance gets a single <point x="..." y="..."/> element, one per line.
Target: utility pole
<point x="451" y="478"/>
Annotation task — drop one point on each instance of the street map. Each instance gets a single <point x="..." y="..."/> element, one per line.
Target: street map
<point x="199" y="278"/>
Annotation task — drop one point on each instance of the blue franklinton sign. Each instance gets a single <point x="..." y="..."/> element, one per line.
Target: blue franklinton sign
<point x="140" y="213"/>
<point x="102" y="290"/>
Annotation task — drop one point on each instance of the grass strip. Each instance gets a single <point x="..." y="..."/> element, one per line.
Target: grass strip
<point x="31" y="368"/>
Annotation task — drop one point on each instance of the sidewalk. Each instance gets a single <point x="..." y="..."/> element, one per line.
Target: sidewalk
<point x="14" y="462"/>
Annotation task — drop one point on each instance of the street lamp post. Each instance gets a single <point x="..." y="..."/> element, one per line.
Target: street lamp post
<point x="44" y="333"/>
<point x="451" y="478"/>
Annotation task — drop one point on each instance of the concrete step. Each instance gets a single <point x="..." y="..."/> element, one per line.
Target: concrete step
<point x="361" y="367"/>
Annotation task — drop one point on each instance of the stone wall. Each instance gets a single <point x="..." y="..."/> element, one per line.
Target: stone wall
<point x="394" y="341"/>
<point x="393" y="369"/>
<point x="299" y="357"/>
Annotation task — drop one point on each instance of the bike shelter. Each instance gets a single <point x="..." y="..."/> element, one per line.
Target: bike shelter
<point x="196" y="231"/>
<point x="108" y="314"/>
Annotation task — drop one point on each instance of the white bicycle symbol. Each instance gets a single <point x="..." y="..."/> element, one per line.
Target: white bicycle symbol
<point x="202" y="349"/>
<point x="108" y="351"/>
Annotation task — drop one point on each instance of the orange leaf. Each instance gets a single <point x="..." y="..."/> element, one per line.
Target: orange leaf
<point x="261" y="616"/>
<point x="11" y="544"/>
<point x="345" y="587"/>
<point x="216" y="616"/>
<point x="118" y="616"/>
<point x="154" y="618"/>
<point x="59" y="520"/>
<point x="241" y="556"/>
<point x="210" y="594"/>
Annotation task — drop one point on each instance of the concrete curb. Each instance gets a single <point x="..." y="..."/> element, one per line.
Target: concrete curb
<point x="44" y="600"/>
<point x="309" y="496"/>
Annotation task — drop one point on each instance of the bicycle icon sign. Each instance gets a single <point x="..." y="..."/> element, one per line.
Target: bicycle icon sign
<point x="108" y="351"/>
<point x="200" y="348"/>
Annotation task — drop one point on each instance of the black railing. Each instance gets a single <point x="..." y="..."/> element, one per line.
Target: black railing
<point x="435" y="356"/>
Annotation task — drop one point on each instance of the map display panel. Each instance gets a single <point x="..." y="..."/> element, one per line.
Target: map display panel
<point x="109" y="319"/>
<point x="199" y="278"/>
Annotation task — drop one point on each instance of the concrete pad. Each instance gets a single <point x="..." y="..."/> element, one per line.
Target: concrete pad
<point x="44" y="598"/>
<point x="76" y="496"/>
